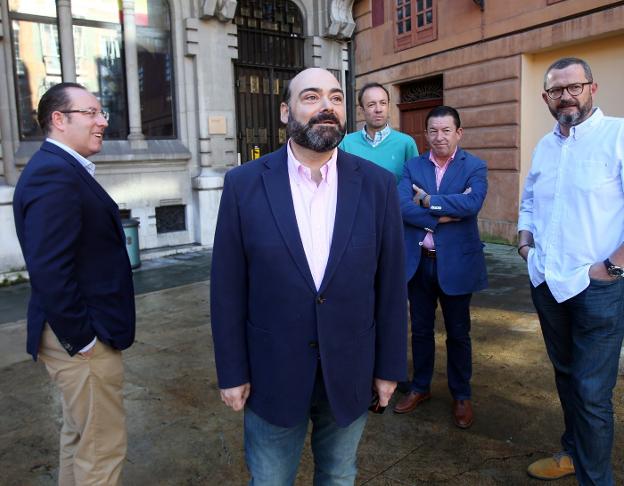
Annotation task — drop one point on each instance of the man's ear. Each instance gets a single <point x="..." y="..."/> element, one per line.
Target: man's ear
<point x="545" y="98"/>
<point x="58" y="120"/>
<point x="284" y="111"/>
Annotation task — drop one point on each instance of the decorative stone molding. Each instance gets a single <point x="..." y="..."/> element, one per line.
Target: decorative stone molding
<point x="224" y="10"/>
<point x="191" y="37"/>
<point x="341" y="24"/>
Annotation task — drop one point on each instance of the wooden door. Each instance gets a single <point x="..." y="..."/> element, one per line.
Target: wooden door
<point x="413" y="117"/>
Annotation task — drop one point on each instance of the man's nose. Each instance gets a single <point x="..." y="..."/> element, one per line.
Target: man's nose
<point x="566" y="95"/>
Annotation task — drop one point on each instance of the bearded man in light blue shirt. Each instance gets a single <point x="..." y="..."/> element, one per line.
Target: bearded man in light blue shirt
<point x="571" y="229"/>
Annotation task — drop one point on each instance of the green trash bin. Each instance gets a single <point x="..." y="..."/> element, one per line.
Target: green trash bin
<point x="131" y="230"/>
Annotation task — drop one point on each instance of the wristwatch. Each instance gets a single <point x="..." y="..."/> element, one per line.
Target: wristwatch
<point x="613" y="270"/>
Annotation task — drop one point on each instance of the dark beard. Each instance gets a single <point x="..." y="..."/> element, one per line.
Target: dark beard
<point x="314" y="137"/>
<point x="571" y="119"/>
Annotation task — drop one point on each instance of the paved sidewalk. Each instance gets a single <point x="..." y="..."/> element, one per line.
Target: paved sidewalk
<point x="181" y="434"/>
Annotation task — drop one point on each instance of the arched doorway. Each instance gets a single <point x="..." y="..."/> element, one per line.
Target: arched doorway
<point x="417" y="99"/>
<point x="270" y="53"/>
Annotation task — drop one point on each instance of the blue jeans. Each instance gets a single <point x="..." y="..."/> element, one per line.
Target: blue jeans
<point x="273" y="453"/>
<point x="583" y="337"/>
<point x="424" y="292"/>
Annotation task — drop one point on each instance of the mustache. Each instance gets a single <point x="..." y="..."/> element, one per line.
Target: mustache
<point x="564" y="104"/>
<point x="324" y="117"/>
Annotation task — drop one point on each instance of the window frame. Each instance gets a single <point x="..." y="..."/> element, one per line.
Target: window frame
<point x="416" y="35"/>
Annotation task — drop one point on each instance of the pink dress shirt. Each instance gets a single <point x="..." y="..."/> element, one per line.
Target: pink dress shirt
<point x="315" y="209"/>
<point x="439" y="173"/>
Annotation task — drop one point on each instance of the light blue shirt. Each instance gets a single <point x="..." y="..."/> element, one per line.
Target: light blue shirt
<point x="88" y="165"/>
<point x="379" y="136"/>
<point x="573" y="203"/>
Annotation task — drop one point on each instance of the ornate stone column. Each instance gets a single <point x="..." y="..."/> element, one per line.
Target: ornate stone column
<point x="66" y="38"/>
<point x="135" y="137"/>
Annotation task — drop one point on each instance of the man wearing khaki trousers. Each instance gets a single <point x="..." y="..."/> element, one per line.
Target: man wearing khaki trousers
<point x="81" y="312"/>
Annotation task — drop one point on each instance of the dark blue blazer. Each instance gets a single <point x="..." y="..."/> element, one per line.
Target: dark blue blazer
<point x="270" y="324"/>
<point x="73" y="243"/>
<point x="460" y="259"/>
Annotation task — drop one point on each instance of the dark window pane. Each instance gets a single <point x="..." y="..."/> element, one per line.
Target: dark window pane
<point x="421" y="20"/>
<point x="400" y="27"/>
<point x="156" y="71"/>
<point x="399" y="3"/>
<point x="100" y="68"/>
<point x="400" y="14"/>
<point x="407" y="12"/>
<point x="408" y="25"/>
<point x="429" y="2"/>
<point x="429" y="17"/>
<point x="419" y="5"/>
<point x="37" y="68"/>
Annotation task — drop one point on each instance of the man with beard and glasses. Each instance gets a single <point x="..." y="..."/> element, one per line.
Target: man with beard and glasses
<point x="571" y="233"/>
<point x="376" y="141"/>
<point x="307" y="297"/>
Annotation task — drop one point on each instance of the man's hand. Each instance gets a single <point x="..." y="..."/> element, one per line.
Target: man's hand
<point x="447" y="219"/>
<point x="384" y="389"/>
<point x="598" y="271"/>
<point x="524" y="252"/>
<point x="236" y="397"/>
<point x="89" y="353"/>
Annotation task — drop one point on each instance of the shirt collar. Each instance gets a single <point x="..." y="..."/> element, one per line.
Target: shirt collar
<point x="577" y="131"/>
<point x="88" y="165"/>
<point x="379" y="135"/>
<point x="436" y="163"/>
<point x="300" y="171"/>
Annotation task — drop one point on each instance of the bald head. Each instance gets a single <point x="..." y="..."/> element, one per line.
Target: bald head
<point x="309" y="75"/>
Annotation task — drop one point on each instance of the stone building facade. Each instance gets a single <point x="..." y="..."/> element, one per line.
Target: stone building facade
<point x="487" y="58"/>
<point x="192" y="88"/>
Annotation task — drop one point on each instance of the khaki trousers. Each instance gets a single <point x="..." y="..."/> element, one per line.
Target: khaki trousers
<point x="93" y="436"/>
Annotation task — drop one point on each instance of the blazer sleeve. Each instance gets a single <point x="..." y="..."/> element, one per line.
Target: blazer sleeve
<point x="52" y="222"/>
<point x="391" y="296"/>
<point x="228" y="293"/>
<point x="463" y="205"/>
<point x="412" y="213"/>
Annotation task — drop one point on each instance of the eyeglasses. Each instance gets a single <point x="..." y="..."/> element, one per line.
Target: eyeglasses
<point x="92" y="112"/>
<point x="572" y="89"/>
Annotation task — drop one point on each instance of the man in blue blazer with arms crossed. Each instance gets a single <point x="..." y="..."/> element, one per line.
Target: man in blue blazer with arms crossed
<point x="441" y="193"/>
<point x="81" y="311"/>
<point x="307" y="293"/>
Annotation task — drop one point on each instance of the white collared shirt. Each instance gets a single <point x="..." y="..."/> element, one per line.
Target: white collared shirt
<point x="573" y="203"/>
<point x="87" y="164"/>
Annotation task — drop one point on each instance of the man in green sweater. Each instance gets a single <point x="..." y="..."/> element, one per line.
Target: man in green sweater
<point x="378" y="142"/>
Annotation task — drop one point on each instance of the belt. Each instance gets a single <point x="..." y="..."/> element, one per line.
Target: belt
<point x="426" y="252"/>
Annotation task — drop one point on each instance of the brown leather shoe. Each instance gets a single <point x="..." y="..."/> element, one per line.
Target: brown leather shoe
<point x="409" y="402"/>
<point x="462" y="413"/>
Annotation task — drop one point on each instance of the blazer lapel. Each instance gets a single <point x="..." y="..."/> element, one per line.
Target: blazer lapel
<point x="90" y="181"/>
<point x="428" y="171"/>
<point x="349" y="188"/>
<point x="455" y="168"/>
<point x="277" y="185"/>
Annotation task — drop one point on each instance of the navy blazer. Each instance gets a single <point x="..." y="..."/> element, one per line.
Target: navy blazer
<point x="73" y="243"/>
<point x="460" y="259"/>
<point x="270" y="324"/>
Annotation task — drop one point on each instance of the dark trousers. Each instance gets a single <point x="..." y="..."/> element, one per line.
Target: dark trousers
<point x="423" y="293"/>
<point x="583" y="337"/>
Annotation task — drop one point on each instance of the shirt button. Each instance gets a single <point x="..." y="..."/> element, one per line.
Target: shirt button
<point x="321" y="300"/>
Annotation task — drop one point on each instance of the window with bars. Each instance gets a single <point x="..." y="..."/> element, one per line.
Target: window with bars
<point x="415" y="22"/>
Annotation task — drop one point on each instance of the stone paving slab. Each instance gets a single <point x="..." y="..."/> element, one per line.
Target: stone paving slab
<point x="181" y="434"/>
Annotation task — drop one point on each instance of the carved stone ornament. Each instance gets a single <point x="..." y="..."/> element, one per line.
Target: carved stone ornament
<point x="224" y="10"/>
<point x="341" y="24"/>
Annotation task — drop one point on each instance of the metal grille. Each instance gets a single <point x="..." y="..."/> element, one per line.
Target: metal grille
<point x="170" y="218"/>
<point x="424" y="89"/>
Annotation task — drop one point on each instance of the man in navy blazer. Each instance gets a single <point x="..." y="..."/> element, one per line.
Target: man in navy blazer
<point x="81" y="310"/>
<point x="441" y="193"/>
<point x="307" y="292"/>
